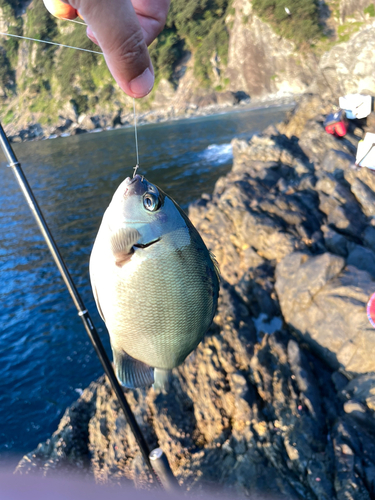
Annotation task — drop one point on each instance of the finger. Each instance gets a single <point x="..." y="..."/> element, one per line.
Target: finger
<point x="91" y="35"/>
<point x="60" y="9"/>
<point x="151" y="16"/>
<point x="115" y="26"/>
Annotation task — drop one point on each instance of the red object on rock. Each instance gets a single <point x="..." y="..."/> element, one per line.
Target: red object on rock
<point x="336" y="124"/>
<point x="371" y="310"/>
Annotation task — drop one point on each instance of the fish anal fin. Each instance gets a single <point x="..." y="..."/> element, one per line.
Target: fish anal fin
<point x="130" y="372"/>
<point x="122" y="242"/>
<point x="161" y="378"/>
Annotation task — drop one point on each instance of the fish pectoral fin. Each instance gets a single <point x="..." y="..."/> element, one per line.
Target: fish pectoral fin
<point x="161" y="378"/>
<point x="122" y="243"/>
<point x="130" y="372"/>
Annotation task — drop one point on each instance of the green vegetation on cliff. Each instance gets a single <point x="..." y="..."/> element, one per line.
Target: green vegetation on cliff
<point x="197" y="26"/>
<point x="9" y="54"/>
<point x="297" y="20"/>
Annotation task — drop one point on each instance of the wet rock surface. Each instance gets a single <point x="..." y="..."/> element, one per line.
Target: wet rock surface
<point x="279" y="397"/>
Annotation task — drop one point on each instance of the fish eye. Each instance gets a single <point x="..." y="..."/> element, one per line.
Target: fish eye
<point x="151" y="202"/>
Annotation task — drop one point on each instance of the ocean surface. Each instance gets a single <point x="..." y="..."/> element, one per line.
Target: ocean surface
<point x="46" y="359"/>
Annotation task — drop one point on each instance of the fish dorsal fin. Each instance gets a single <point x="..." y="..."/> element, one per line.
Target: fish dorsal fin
<point x="216" y="264"/>
<point x="122" y="244"/>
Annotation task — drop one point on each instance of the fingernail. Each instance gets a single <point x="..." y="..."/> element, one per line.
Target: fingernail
<point x="143" y="84"/>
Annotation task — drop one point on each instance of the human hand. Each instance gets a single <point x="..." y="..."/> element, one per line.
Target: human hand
<point x="123" y="29"/>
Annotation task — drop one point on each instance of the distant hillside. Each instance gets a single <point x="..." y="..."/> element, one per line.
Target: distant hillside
<point x="208" y="47"/>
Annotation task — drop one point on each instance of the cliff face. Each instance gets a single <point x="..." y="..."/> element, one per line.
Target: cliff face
<point x="259" y="61"/>
<point x="348" y="67"/>
<point x="356" y="8"/>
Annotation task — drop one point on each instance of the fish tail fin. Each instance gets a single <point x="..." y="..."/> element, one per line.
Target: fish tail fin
<point x="130" y="372"/>
<point x="161" y="378"/>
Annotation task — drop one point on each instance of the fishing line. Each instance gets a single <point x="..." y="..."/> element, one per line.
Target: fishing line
<point x="73" y="21"/>
<point x="93" y="52"/>
<point x="136" y="138"/>
<point x="51" y="43"/>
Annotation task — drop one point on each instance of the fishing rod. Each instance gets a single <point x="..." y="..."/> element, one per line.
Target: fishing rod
<point x="159" y="468"/>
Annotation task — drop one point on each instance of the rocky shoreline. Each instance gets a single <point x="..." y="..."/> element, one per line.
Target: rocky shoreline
<point x="73" y="124"/>
<point x="279" y="398"/>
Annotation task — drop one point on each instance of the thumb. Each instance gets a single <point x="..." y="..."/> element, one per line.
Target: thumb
<point x="115" y="26"/>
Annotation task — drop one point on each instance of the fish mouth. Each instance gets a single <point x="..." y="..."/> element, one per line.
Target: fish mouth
<point x="132" y="180"/>
<point x="135" y="186"/>
<point x="129" y="180"/>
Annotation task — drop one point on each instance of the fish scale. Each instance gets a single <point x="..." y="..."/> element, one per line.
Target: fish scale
<point x="168" y="311"/>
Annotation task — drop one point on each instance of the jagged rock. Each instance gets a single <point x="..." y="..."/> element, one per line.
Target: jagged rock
<point x="77" y="131"/>
<point x="365" y="196"/>
<point x="264" y="405"/>
<point x="70" y="112"/>
<point x="64" y="127"/>
<point x="116" y="118"/>
<point x="207" y="99"/>
<point x="361" y="258"/>
<point x="340" y="206"/>
<point x="85" y="122"/>
<point x="100" y="121"/>
<point x="325" y="303"/>
<point x="226" y="98"/>
<point x="335" y="242"/>
<point x="15" y="138"/>
<point x="242" y="97"/>
<point x="32" y="132"/>
<point x="316" y="143"/>
<point x="369" y="237"/>
<point x="362" y="185"/>
<point x="350" y="476"/>
<point x="362" y="388"/>
<point x="348" y="67"/>
<point x="308" y="107"/>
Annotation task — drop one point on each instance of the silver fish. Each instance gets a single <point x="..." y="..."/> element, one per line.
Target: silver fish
<point x="155" y="283"/>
